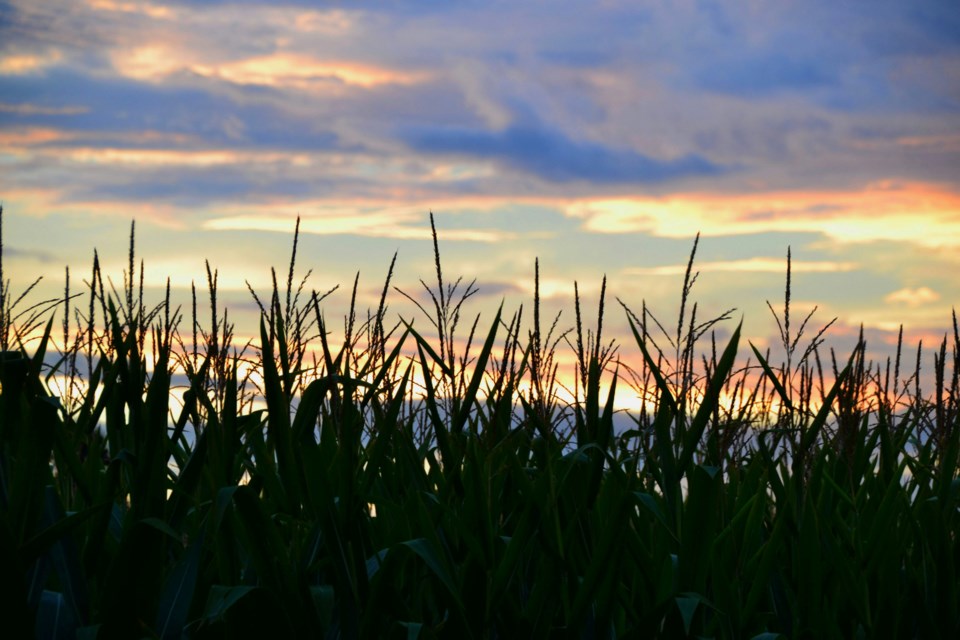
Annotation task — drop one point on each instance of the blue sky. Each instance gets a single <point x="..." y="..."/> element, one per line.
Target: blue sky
<point x="599" y="136"/>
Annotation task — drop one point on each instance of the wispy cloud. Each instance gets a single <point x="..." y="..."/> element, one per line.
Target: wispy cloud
<point x="22" y="64"/>
<point x="26" y="109"/>
<point x="302" y="72"/>
<point x="555" y="157"/>
<point x="148" y="9"/>
<point x="29" y="254"/>
<point x="384" y="223"/>
<point x="756" y="265"/>
<point x="157" y="62"/>
<point x="912" y="297"/>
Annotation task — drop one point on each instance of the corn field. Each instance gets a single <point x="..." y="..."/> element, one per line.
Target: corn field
<point x="158" y="480"/>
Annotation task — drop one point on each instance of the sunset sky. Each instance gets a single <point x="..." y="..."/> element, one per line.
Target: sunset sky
<point x="597" y="136"/>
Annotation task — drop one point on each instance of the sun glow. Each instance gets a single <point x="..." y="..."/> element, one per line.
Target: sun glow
<point x="924" y="214"/>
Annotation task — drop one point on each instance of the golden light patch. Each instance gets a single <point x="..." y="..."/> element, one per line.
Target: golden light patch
<point x="182" y="273"/>
<point x="157" y="61"/>
<point x="330" y="22"/>
<point x="147" y="9"/>
<point x="558" y="288"/>
<point x="148" y="63"/>
<point x="17" y="65"/>
<point x="290" y="70"/>
<point x="912" y="297"/>
<point x="923" y="214"/>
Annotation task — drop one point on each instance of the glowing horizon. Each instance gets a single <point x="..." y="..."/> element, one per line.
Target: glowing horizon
<point x="600" y="140"/>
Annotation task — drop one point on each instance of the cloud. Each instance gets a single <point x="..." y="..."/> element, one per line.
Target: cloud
<point x="923" y="214"/>
<point x="302" y="72"/>
<point x="30" y="137"/>
<point x="492" y="289"/>
<point x="938" y="143"/>
<point x="150" y="10"/>
<point x="106" y="106"/>
<point x="192" y="187"/>
<point x="912" y="297"/>
<point x="398" y="223"/>
<point x="155" y="62"/>
<point x="27" y="64"/>
<point x="29" y="254"/>
<point x="555" y="157"/>
<point x="26" y="109"/>
<point x="755" y="265"/>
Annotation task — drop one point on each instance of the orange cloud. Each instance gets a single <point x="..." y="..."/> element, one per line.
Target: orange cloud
<point x="39" y="203"/>
<point x="304" y="72"/>
<point x="31" y="136"/>
<point x="155" y="62"/>
<point x="23" y="64"/>
<point x="163" y="157"/>
<point x="150" y="10"/>
<point x="334" y="22"/>
<point x="937" y="143"/>
<point x="923" y="214"/>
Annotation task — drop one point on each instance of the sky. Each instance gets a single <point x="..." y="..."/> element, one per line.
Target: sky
<point x="598" y="137"/>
